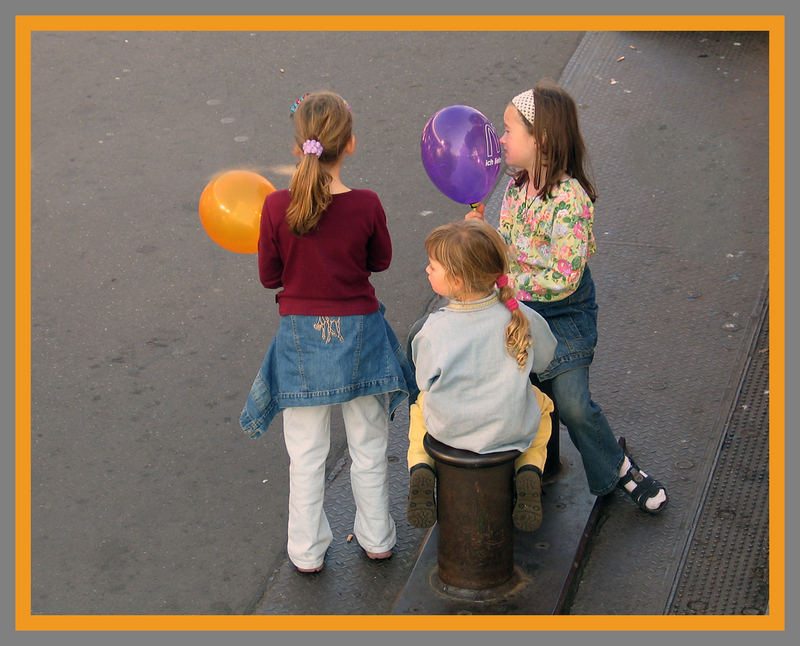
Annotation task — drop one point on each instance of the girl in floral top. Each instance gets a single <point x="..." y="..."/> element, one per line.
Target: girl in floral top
<point x="550" y="240"/>
<point x="546" y="219"/>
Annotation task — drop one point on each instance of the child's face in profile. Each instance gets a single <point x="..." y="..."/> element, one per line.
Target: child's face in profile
<point x="518" y="144"/>
<point x="440" y="282"/>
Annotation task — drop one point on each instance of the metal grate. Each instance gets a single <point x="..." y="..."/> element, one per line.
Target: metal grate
<point x="727" y="563"/>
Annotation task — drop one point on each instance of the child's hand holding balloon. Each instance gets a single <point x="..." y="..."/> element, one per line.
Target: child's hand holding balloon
<point x="476" y="213"/>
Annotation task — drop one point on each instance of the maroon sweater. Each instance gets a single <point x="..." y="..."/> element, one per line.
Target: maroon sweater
<point x="325" y="272"/>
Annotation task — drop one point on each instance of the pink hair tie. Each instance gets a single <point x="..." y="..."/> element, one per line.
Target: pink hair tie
<point x="502" y="281"/>
<point x="312" y="147"/>
<point x="512" y="304"/>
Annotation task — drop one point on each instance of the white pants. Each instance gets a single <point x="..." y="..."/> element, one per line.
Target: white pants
<point x="306" y="431"/>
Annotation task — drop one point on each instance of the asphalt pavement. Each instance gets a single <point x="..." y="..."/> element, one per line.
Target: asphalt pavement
<point x="146" y="497"/>
<point x="676" y="125"/>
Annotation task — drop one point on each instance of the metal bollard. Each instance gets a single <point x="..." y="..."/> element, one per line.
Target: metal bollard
<point x="475" y="496"/>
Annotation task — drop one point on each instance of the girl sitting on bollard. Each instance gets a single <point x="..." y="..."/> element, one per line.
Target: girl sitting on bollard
<point x="473" y="359"/>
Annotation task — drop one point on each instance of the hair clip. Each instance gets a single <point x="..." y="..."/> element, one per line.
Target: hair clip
<point x="502" y="281"/>
<point x="293" y="109"/>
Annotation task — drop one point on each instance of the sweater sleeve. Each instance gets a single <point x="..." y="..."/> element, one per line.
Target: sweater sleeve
<point x="427" y="369"/>
<point x="379" y="247"/>
<point x="544" y="342"/>
<point x="270" y="265"/>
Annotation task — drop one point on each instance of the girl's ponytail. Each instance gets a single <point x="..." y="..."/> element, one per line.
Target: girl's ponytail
<point x="323" y="127"/>
<point x="310" y="195"/>
<point x="518" y="338"/>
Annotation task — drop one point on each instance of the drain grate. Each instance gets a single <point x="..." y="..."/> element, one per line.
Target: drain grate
<point x="727" y="563"/>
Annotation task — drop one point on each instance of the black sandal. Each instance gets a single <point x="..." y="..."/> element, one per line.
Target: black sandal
<point x="646" y="487"/>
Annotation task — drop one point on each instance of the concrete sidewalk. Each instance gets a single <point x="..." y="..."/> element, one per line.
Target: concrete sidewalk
<point x="677" y="131"/>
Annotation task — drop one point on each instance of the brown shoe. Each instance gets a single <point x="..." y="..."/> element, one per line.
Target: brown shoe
<point x="421" y="496"/>
<point x="527" y="514"/>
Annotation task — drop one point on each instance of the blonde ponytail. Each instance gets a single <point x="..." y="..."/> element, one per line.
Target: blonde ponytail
<point x="518" y="338"/>
<point x="322" y="118"/>
<point x="310" y="195"/>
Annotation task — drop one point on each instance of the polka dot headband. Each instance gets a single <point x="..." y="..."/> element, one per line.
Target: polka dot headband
<point x="525" y="104"/>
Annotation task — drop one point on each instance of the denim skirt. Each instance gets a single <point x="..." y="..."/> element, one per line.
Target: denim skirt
<point x="321" y="360"/>
<point x="573" y="321"/>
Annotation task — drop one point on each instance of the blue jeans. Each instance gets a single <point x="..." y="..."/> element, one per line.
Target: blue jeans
<point x="588" y="428"/>
<point x="573" y="321"/>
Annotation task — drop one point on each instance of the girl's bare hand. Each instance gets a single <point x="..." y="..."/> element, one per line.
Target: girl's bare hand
<point x="476" y="213"/>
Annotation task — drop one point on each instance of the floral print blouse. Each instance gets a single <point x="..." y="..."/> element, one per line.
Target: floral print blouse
<point x="550" y="240"/>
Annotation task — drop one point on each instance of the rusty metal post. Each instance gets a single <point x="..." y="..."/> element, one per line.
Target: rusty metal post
<point x="475" y="495"/>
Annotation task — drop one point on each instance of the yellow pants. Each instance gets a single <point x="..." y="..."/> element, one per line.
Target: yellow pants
<point x="535" y="454"/>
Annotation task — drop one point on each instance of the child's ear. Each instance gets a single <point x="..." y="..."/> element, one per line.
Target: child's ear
<point x="350" y="148"/>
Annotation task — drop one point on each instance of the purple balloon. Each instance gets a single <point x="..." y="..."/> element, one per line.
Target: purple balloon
<point x="461" y="153"/>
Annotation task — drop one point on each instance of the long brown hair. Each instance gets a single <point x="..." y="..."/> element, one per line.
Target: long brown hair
<point x="559" y="141"/>
<point x="474" y="252"/>
<point x="326" y="118"/>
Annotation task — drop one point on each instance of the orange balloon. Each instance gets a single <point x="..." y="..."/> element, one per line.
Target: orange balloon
<point x="230" y="209"/>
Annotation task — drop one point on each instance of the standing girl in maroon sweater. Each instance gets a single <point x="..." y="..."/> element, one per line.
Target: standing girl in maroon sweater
<point x="319" y="242"/>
